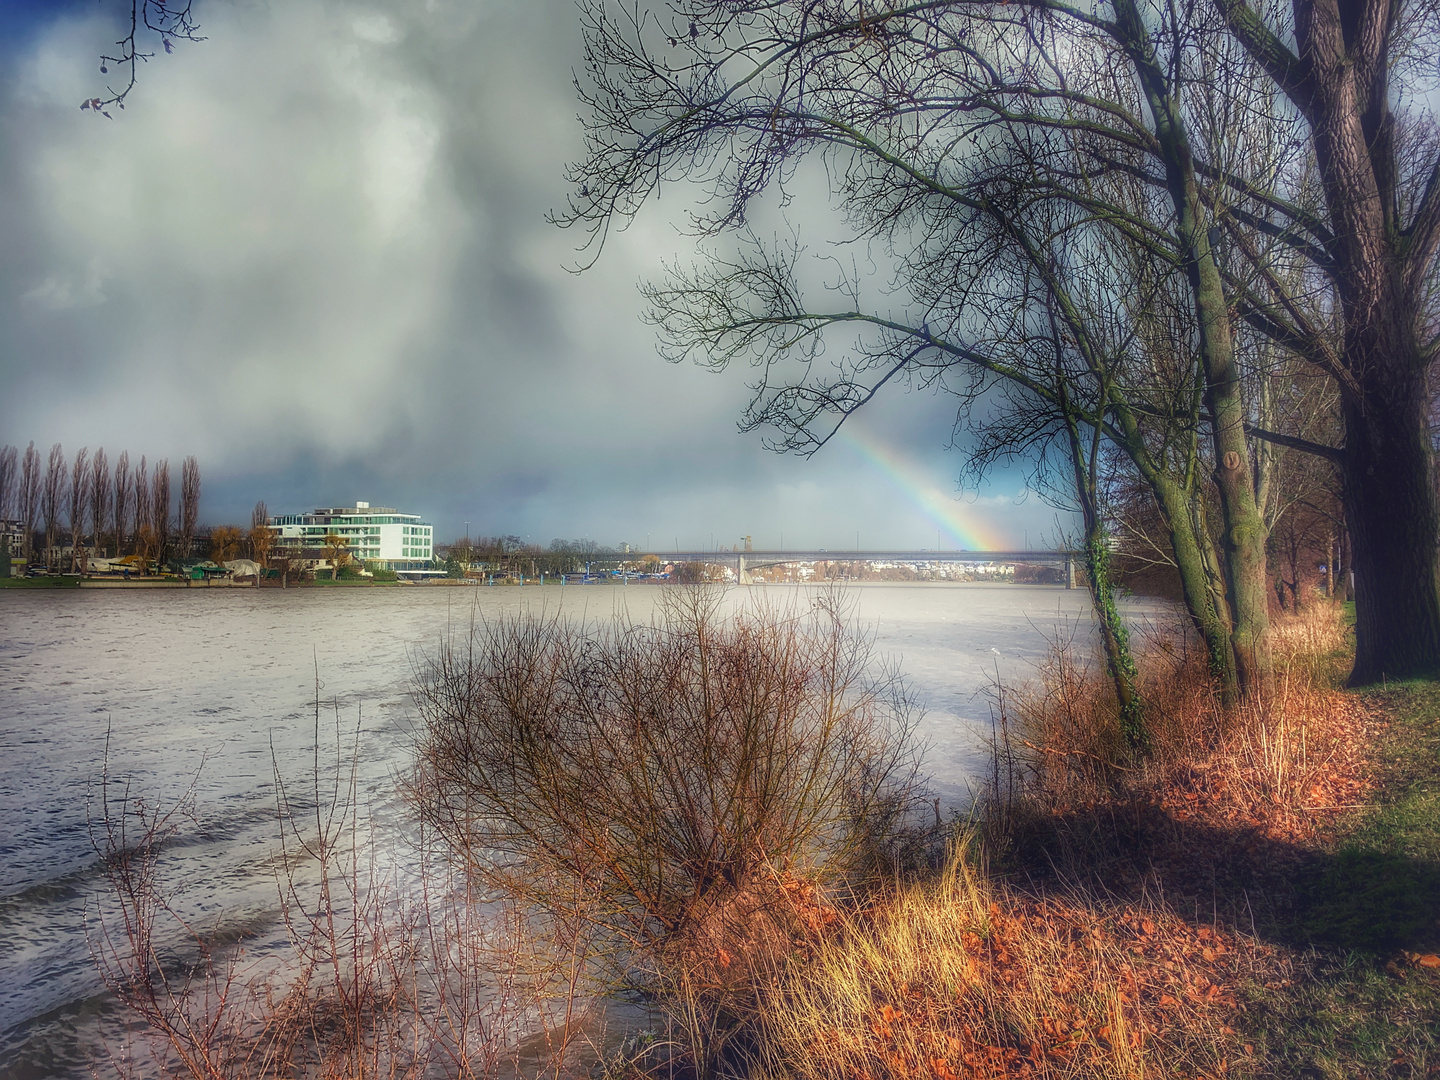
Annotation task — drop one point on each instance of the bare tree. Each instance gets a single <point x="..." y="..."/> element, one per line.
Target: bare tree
<point x="261" y="536"/>
<point x="79" y="508"/>
<point x="145" y="544"/>
<point x="335" y="553"/>
<point x="915" y="110"/>
<point x="99" y="498"/>
<point x="120" y="505"/>
<point x="910" y="102"/>
<point x="189" y="503"/>
<point x="140" y="507"/>
<point x="164" y="21"/>
<point x="29" y="498"/>
<point x="9" y="476"/>
<point x="1361" y="76"/>
<point x="160" y="510"/>
<point x="52" y="502"/>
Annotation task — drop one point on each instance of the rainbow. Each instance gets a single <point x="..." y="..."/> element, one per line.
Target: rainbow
<point x="953" y="517"/>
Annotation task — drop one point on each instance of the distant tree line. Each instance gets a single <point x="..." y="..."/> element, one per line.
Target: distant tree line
<point x="83" y="501"/>
<point x="510" y="554"/>
<point x="229" y="542"/>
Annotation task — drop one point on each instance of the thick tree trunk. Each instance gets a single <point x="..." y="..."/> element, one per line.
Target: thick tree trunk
<point x="1341" y="82"/>
<point x="1393" y="519"/>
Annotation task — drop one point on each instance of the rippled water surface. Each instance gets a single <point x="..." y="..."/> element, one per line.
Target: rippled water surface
<point x="212" y="689"/>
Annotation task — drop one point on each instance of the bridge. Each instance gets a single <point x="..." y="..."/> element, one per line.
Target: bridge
<point x="743" y="561"/>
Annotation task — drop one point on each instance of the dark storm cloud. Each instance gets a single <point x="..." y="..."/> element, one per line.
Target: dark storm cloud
<point x="312" y="251"/>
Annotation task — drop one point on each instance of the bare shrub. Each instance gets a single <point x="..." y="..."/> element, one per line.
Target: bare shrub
<point x="378" y="980"/>
<point x="671" y="795"/>
<point x="1058" y="741"/>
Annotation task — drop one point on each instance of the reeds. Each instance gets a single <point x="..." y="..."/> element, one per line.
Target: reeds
<point x="380" y="976"/>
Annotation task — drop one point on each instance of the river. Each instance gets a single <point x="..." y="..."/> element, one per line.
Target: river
<point x="208" y="689"/>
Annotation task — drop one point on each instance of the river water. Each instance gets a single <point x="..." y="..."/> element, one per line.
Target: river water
<point x="212" y="690"/>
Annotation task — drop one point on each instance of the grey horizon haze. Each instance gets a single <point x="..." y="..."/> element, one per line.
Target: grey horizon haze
<point x="312" y="251"/>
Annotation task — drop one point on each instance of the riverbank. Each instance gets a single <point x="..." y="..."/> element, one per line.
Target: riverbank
<point x="1260" y="900"/>
<point x="76" y="581"/>
<point x="1255" y="900"/>
<point x="217" y="684"/>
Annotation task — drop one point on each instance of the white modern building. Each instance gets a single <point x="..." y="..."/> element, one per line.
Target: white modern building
<point x="372" y="534"/>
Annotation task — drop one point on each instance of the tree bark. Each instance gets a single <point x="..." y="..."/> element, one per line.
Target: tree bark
<point x="1212" y="620"/>
<point x="1390" y="502"/>
<point x="1390" y="508"/>
<point x="1114" y="636"/>
<point x="1194" y="554"/>
<point x="1338" y="77"/>
<point x="1245" y="532"/>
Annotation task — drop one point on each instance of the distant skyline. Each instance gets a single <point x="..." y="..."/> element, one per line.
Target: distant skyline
<point x="312" y="252"/>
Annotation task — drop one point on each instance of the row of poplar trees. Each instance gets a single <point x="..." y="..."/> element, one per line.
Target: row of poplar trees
<point x="1142" y="243"/>
<point x="124" y="511"/>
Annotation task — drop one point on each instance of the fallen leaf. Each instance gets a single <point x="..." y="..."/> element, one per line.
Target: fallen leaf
<point x="1429" y="960"/>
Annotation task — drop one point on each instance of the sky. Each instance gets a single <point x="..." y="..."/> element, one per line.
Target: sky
<point x="312" y="251"/>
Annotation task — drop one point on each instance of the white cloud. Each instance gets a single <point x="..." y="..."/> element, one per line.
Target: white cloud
<point x="59" y="292"/>
<point x="376" y="29"/>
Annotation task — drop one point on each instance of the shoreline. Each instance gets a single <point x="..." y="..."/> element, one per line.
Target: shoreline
<point x="68" y="581"/>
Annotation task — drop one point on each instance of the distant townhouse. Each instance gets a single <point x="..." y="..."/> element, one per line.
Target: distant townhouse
<point x="13" y="531"/>
<point x="373" y="534"/>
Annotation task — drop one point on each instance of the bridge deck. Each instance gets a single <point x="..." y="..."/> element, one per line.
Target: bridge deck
<point x="823" y="555"/>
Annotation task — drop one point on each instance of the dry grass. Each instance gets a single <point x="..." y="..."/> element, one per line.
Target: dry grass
<point x="1058" y="949"/>
<point x="1285" y="763"/>
<point x="1312" y="646"/>
<point x="963" y="976"/>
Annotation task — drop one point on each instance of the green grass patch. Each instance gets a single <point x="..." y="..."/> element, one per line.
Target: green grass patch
<point x="1406" y="822"/>
<point x="1371" y="901"/>
<point x="40" y="583"/>
<point x="1365" y="1008"/>
<point x="1355" y="1015"/>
